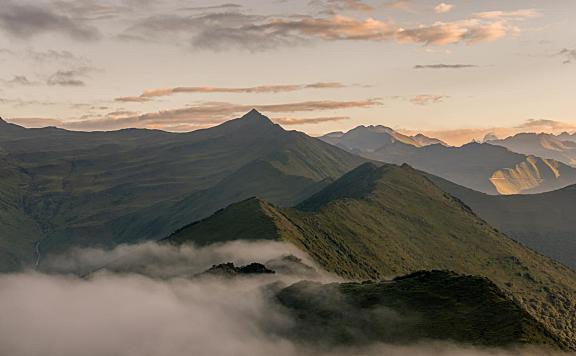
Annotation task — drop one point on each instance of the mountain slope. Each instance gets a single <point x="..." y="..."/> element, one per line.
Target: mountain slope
<point x="399" y="222"/>
<point x="373" y="138"/>
<point x="544" y="222"/>
<point x="419" y="307"/>
<point x="88" y="189"/>
<point x="541" y="145"/>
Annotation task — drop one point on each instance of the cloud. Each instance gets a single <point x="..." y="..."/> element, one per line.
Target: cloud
<point x="569" y="55"/>
<point x="152" y="93"/>
<point x="208" y="114"/>
<point x="20" y="80"/>
<point x="423" y="99"/>
<point x="306" y="121"/>
<point x="547" y="124"/>
<point x="35" y="122"/>
<point x="522" y="14"/>
<point x="25" y="20"/>
<point x="147" y="302"/>
<point x="333" y="6"/>
<point x="224" y="31"/>
<point x="445" y="66"/>
<point x="443" y="8"/>
<point x="227" y="7"/>
<point x="69" y="78"/>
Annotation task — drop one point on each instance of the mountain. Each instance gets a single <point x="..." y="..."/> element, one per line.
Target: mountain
<point x="544" y="222"/>
<point x="541" y="145"/>
<point x="373" y="138"/>
<point x="424" y="306"/>
<point x="377" y="222"/>
<point x="565" y="136"/>
<point x="68" y="188"/>
<point x="483" y="167"/>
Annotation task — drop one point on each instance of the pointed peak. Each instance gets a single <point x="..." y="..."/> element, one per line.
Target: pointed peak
<point x="255" y="115"/>
<point x="2" y="121"/>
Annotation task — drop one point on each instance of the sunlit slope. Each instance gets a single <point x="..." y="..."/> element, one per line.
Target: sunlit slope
<point x="483" y="167"/>
<point x="380" y="222"/>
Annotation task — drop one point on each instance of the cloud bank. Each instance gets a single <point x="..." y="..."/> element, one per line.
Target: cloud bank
<point x="151" y="307"/>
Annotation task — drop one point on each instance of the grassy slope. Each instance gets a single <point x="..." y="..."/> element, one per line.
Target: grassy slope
<point x="544" y="222"/>
<point x="103" y="188"/>
<point x="422" y="306"/>
<point x="399" y="223"/>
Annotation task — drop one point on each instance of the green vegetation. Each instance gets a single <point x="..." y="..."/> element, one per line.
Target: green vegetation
<point x="396" y="222"/>
<point x="425" y="306"/>
<point x="544" y="222"/>
<point x="62" y="189"/>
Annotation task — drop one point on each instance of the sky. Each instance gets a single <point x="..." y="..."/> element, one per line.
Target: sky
<point x="455" y="70"/>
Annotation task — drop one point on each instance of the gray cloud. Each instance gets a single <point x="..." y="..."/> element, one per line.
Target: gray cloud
<point x="226" y="30"/>
<point x="445" y="66"/>
<point x="69" y="78"/>
<point x="569" y="55"/>
<point x="20" y="80"/>
<point x="26" y="20"/>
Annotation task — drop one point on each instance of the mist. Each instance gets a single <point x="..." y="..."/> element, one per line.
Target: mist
<point x="147" y="300"/>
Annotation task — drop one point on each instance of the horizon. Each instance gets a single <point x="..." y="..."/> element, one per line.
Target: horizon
<point x="454" y="70"/>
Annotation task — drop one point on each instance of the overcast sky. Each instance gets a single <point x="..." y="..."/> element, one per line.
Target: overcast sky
<point x="446" y="68"/>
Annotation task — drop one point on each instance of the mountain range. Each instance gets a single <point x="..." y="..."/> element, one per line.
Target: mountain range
<point x="483" y="167"/>
<point x="561" y="148"/>
<point x="376" y="222"/>
<point x="62" y="188"/>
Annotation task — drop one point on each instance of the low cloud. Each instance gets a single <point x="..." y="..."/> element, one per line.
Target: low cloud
<point x="147" y="302"/>
<point x="147" y="95"/>
<point x="26" y="20"/>
<point x="445" y="66"/>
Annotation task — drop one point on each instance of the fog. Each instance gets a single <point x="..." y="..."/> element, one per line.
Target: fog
<point x="150" y="303"/>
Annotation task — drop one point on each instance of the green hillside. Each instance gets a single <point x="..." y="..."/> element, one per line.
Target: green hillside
<point x="423" y="306"/>
<point x="544" y="222"/>
<point x="105" y="188"/>
<point x="395" y="222"/>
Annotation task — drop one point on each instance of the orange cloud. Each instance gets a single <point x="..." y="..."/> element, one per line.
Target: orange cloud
<point x="147" y="95"/>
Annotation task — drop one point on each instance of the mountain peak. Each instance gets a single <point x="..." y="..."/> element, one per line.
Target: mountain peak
<point x="255" y="116"/>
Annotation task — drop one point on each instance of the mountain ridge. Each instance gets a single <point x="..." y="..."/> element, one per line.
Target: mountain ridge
<point x="402" y="224"/>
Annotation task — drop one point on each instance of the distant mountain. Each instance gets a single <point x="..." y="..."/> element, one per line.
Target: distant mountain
<point x="482" y="167"/>
<point x="544" y="222"/>
<point x="565" y="136"/>
<point x="374" y="138"/>
<point x="423" y="306"/>
<point x="376" y="222"/>
<point x="541" y="145"/>
<point x="62" y="188"/>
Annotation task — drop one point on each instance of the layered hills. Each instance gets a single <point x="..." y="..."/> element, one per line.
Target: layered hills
<point x="542" y="145"/>
<point x="377" y="222"/>
<point x="544" y="222"/>
<point x="62" y="188"/>
<point x="483" y="167"/>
